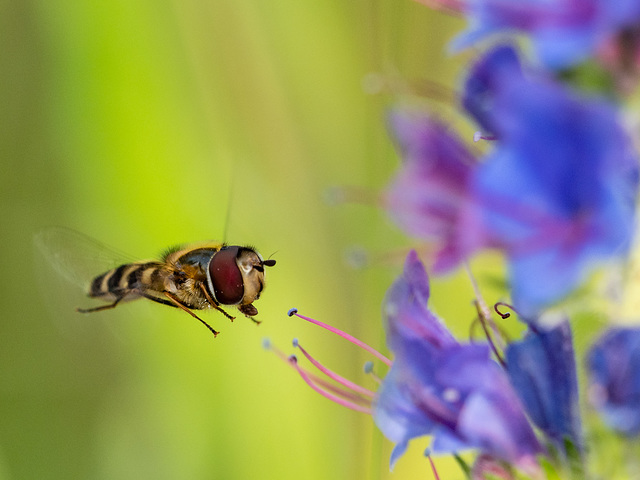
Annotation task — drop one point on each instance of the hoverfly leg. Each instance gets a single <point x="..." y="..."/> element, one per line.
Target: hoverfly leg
<point x="177" y="303"/>
<point x="101" y="307"/>
<point x="215" y="304"/>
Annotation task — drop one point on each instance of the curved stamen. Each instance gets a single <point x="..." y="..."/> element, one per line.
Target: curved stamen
<point x="331" y="374"/>
<point x="502" y="304"/>
<point x="350" y="338"/>
<point x="507" y="314"/>
<point x="293" y="361"/>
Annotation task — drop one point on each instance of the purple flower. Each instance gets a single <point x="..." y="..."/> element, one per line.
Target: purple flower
<point x="430" y="197"/>
<point x="562" y="32"/>
<point x="542" y="370"/>
<point x="558" y="191"/>
<point x="409" y="319"/>
<point x="437" y="386"/>
<point x="614" y="369"/>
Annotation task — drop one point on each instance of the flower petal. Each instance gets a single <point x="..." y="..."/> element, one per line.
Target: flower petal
<point x="543" y="372"/>
<point x="614" y="367"/>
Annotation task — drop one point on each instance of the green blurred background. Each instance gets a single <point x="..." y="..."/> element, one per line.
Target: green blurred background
<point x="149" y="123"/>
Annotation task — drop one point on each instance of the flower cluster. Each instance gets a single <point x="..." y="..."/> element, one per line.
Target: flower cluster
<point x="438" y="386"/>
<point x="512" y="410"/>
<point x="555" y="192"/>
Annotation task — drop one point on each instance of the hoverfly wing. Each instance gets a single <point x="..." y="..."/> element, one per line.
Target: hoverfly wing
<point x="77" y="257"/>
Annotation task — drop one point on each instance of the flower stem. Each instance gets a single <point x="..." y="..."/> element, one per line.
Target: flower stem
<point x="483" y="309"/>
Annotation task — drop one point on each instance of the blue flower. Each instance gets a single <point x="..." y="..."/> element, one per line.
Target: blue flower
<point x="614" y="369"/>
<point x="556" y="193"/>
<point x="562" y="32"/>
<point x="542" y="370"/>
<point x="437" y="386"/>
<point x="558" y="190"/>
<point x="409" y="320"/>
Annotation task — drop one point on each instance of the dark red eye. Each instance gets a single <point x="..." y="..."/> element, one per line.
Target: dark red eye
<point x="226" y="279"/>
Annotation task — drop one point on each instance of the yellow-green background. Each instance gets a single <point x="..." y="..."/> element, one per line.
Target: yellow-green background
<point x="148" y="123"/>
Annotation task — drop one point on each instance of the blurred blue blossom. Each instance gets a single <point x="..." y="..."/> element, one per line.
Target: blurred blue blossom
<point x="437" y="386"/>
<point x="562" y="32"/>
<point x="556" y="193"/>
<point x="614" y="370"/>
<point x="542" y="370"/>
<point x="558" y="190"/>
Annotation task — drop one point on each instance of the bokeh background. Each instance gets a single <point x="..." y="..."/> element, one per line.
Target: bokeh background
<point x="149" y="123"/>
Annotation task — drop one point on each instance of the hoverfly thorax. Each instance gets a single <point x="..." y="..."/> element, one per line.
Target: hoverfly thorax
<point x="235" y="276"/>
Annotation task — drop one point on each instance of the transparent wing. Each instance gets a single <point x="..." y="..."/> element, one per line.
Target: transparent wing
<point x="75" y="256"/>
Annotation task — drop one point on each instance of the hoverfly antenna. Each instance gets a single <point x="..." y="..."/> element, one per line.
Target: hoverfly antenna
<point x="269" y="262"/>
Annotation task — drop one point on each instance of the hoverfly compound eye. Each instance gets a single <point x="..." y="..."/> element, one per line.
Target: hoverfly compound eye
<point x="225" y="277"/>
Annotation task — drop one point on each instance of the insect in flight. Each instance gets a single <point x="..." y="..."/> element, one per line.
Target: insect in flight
<point x="199" y="276"/>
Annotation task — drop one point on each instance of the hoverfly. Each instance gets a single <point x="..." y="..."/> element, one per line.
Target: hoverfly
<point x="199" y="276"/>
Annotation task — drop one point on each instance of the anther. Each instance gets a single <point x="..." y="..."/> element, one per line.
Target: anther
<point x="368" y="369"/>
<point x="292" y="312"/>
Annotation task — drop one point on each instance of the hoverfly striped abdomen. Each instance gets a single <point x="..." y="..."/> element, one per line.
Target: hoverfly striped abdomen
<point x="126" y="280"/>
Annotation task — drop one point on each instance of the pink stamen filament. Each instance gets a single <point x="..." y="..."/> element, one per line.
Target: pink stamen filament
<point x="344" y="335"/>
<point x="368" y="369"/>
<point x="433" y="466"/>
<point x="347" y="395"/>
<point x="352" y="396"/>
<point x="334" y="376"/>
<point x="334" y="398"/>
